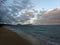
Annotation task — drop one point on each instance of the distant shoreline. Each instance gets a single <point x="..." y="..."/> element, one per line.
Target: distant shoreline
<point x="31" y="25"/>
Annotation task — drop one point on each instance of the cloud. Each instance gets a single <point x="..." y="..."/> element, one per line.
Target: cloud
<point x="9" y="13"/>
<point x="50" y="17"/>
<point x="26" y="15"/>
<point x="27" y="11"/>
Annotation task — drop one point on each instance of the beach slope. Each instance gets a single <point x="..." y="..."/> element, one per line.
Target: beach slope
<point x="8" y="37"/>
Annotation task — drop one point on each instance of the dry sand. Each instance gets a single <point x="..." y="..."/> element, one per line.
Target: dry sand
<point x="8" y="37"/>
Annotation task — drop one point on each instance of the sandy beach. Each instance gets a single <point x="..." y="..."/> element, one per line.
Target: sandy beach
<point x="11" y="38"/>
<point x="8" y="37"/>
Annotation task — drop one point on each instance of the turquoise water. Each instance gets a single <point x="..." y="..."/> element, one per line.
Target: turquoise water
<point x="39" y="31"/>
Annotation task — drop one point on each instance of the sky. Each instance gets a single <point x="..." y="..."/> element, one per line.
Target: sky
<point x="19" y="13"/>
<point x="46" y="4"/>
<point x="50" y="17"/>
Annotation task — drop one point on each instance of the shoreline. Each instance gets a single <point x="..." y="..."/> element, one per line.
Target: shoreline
<point x="29" y="38"/>
<point x="8" y="37"/>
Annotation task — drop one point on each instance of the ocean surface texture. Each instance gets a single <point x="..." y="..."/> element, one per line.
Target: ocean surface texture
<point x="48" y="33"/>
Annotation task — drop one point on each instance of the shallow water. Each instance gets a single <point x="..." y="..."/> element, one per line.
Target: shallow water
<point x="48" y="33"/>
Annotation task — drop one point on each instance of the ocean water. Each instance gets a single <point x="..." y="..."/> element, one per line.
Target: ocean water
<point x="49" y="33"/>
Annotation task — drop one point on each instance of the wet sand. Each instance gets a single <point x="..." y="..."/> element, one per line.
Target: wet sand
<point x="8" y="37"/>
